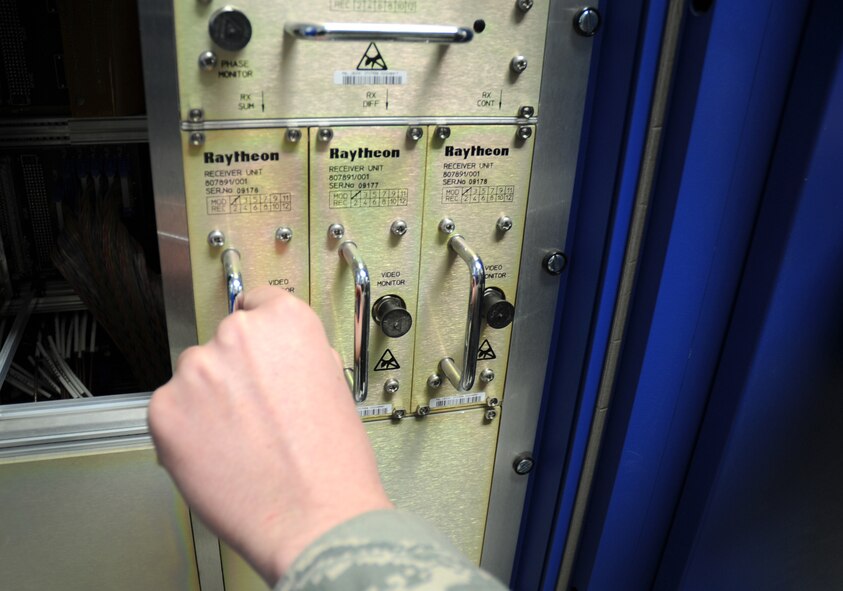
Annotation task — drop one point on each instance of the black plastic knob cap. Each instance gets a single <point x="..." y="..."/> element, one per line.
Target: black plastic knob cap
<point x="497" y="311"/>
<point x="391" y="314"/>
<point x="230" y="29"/>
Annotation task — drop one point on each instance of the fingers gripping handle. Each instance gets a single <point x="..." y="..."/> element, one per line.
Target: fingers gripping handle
<point x="358" y="378"/>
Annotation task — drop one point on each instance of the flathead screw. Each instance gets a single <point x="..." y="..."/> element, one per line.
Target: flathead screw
<point x="196" y="115"/>
<point x="283" y="234"/>
<point x="504" y="223"/>
<point x="525" y="132"/>
<point x="555" y="263"/>
<point x="518" y="64"/>
<point x="391" y="386"/>
<point x="527" y="111"/>
<point x="447" y="226"/>
<point x="207" y="61"/>
<point x="523" y="464"/>
<point x="443" y="133"/>
<point x="415" y="133"/>
<point x="216" y="239"/>
<point x="326" y="134"/>
<point x="434" y="381"/>
<point x="336" y="231"/>
<point x="293" y="135"/>
<point x="491" y="414"/>
<point x="398" y="414"/>
<point x="398" y="228"/>
<point x="492" y="402"/>
<point x="587" y="21"/>
<point x="524" y="5"/>
<point x="487" y="375"/>
<point x="423" y="411"/>
<point x="197" y="138"/>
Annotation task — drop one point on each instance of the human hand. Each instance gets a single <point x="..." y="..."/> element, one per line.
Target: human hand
<point x="260" y="434"/>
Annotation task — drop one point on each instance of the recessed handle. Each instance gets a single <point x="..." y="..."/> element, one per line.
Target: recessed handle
<point x="233" y="279"/>
<point x="379" y="32"/>
<point x="464" y="380"/>
<point x="358" y="377"/>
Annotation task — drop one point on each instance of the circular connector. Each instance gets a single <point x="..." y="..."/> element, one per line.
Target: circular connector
<point x="336" y="231"/>
<point x="216" y="239"/>
<point x="207" y="61"/>
<point x="447" y="226"/>
<point x="230" y="29"/>
<point x="283" y="234"/>
<point x="325" y="134"/>
<point x="293" y="135"/>
<point x="415" y="133"/>
<point x="391" y="314"/>
<point x="518" y="64"/>
<point x="398" y="228"/>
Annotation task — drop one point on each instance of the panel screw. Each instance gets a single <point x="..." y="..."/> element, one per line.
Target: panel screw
<point x="423" y="411"/>
<point x="434" y="381"/>
<point x="587" y="21"/>
<point x="391" y="386"/>
<point x="491" y="414"/>
<point x="195" y="115"/>
<point x="443" y="133"/>
<point x="283" y="234"/>
<point x="216" y="239"/>
<point x="523" y="464"/>
<point x="525" y="132"/>
<point x="504" y="223"/>
<point x="518" y="64"/>
<point x="492" y="402"/>
<point x="524" y="5"/>
<point x="293" y="135"/>
<point x="398" y="414"/>
<point x="326" y="134"/>
<point x="415" y="133"/>
<point x="555" y="262"/>
<point x="207" y="61"/>
<point x="336" y="231"/>
<point x="527" y="112"/>
<point x="197" y="138"/>
<point x="398" y="228"/>
<point x="487" y="375"/>
<point x="447" y="226"/>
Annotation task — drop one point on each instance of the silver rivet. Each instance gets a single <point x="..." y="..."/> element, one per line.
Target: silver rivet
<point x="524" y="5"/>
<point x="398" y="228"/>
<point x="398" y="414"/>
<point x="336" y="231"/>
<point x="197" y="138"/>
<point x="587" y="22"/>
<point x="423" y="411"/>
<point x="434" y="381"/>
<point x="326" y="134"/>
<point x="523" y="464"/>
<point x="525" y="132"/>
<point x="518" y="64"/>
<point x="196" y="115"/>
<point x="555" y="262"/>
<point x="504" y="223"/>
<point x="415" y="133"/>
<point x="391" y="386"/>
<point x="443" y="133"/>
<point x="207" y="61"/>
<point x="492" y="402"/>
<point x="447" y="226"/>
<point x="527" y="111"/>
<point x="293" y="135"/>
<point x="491" y="414"/>
<point x="487" y="375"/>
<point x="216" y="239"/>
<point x="283" y="234"/>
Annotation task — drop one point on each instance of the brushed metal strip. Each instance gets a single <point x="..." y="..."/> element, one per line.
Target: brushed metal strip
<point x="353" y="121"/>
<point x="68" y="448"/>
<point x="563" y="92"/>
<point x="162" y="100"/>
<point x="643" y="195"/>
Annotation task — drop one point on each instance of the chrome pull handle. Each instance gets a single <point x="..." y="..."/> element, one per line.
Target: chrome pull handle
<point x="379" y="32"/>
<point x="233" y="279"/>
<point x="358" y="378"/>
<point x="464" y="380"/>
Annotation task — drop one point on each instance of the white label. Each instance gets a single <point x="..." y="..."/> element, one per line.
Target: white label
<point x="457" y="400"/>
<point x="366" y="412"/>
<point x="370" y="77"/>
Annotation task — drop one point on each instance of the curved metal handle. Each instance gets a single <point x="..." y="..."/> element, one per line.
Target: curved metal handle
<point x="379" y="32"/>
<point x="464" y="380"/>
<point x="233" y="279"/>
<point x="359" y="378"/>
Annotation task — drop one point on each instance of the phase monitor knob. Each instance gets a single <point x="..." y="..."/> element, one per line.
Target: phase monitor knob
<point x="391" y="314"/>
<point x="497" y="311"/>
<point x="230" y="29"/>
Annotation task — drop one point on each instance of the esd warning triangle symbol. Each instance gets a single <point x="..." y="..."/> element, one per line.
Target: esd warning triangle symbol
<point x="372" y="59"/>
<point x="387" y="361"/>
<point x="486" y="352"/>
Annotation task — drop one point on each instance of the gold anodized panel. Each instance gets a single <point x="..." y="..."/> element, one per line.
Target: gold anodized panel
<point x="366" y="192"/>
<point x="246" y="184"/>
<point x="474" y="190"/>
<point x="277" y="76"/>
<point x="439" y="468"/>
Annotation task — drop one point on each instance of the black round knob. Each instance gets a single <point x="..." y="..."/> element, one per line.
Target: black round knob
<point x="390" y="313"/>
<point x="230" y="29"/>
<point x="497" y="311"/>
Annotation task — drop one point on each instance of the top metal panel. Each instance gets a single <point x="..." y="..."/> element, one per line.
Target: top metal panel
<point x="279" y="74"/>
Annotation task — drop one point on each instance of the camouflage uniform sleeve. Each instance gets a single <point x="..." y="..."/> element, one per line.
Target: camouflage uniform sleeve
<point x="384" y="551"/>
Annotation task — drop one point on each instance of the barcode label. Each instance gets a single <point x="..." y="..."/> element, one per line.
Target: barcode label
<point x="457" y="400"/>
<point x="370" y="77"/>
<point x="374" y="411"/>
